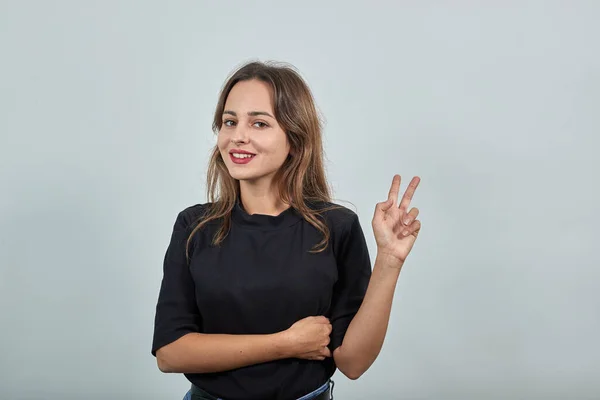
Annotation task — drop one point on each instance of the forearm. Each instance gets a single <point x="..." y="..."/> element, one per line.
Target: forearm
<point x="366" y="333"/>
<point x="206" y="353"/>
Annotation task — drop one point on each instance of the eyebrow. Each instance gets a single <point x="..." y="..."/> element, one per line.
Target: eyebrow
<point x="250" y="113"/>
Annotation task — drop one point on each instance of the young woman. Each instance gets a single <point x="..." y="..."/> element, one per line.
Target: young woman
<point x="268" y="287"/>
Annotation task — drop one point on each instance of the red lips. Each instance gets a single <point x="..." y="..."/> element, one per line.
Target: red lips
<point x="245" y="159"/>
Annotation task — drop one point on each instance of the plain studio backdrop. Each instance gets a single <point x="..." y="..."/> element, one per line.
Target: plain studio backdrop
<point x="105" y="114"/>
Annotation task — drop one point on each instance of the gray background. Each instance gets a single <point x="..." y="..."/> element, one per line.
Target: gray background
<point x="105" y="112"/>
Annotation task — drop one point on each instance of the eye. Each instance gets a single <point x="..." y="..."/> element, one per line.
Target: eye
<point x="261" y="124"/>
<point x="228" y="122"/>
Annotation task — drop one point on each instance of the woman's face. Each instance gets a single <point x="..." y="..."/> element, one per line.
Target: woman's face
<point x="250" y="140"/>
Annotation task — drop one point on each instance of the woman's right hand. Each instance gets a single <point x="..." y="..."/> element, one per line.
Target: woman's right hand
<point x="309" y="337"/>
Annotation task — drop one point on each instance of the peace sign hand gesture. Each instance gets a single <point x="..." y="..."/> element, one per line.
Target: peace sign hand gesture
<point x="396" y="229"/>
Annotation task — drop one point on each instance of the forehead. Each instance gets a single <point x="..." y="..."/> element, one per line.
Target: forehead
<point x="251" y="95"/>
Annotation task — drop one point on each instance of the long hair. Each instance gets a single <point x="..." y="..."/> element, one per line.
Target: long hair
<point x="301" y="180"/>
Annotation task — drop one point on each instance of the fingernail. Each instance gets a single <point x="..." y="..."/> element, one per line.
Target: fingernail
<point x="406" y="221"/>
<point x="405" y="233"/>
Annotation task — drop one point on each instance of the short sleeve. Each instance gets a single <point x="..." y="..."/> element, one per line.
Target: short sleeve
<point x="177" y="313"/>
<point x="354" y="273"/>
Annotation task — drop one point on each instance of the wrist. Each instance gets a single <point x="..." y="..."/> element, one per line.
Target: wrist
<point x="284" y="345"/>
<point x="386" y="260"/>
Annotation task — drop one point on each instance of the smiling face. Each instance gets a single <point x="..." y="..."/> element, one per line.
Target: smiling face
<point x="250" y="140"/>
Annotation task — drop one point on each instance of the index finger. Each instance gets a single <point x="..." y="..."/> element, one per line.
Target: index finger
<point x="410" y="191"/>
<point x="394" y="189"/>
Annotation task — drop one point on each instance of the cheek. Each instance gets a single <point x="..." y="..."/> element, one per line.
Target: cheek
<point x="281" y="146"/>
<point x="285" y="148"/>
<point x="222" y="142"/>
<point x="277" y="150"/>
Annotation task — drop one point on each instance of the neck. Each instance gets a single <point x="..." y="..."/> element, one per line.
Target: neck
<point x="261" y="199"/>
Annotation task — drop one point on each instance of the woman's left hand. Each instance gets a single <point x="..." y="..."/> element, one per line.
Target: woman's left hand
<point x="395" y="228"/>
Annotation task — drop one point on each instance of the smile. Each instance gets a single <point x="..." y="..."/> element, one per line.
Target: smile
<point x="240" y="155"/>
<point x="241" y="158"/>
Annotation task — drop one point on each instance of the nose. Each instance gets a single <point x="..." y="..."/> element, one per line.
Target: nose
<point x="240" y="134"/>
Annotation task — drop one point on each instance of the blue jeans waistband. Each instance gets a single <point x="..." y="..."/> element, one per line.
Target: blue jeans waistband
<point x="196" y="393"/>
<point x="316" y="392"/>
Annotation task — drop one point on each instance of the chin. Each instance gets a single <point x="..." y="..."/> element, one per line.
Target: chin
<point x="247" y="176"/>
<point x="242" y="175"/>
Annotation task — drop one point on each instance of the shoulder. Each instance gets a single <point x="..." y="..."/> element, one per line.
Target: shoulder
<point x="191" y="215"/>
<point x="347" y="234"/>
<point x="340" y="219"/>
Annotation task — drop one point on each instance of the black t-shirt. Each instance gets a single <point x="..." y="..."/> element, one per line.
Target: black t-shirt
<point x="261" y="280"/>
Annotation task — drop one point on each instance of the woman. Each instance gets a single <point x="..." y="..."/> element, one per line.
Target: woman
<point x="268" y="287"/>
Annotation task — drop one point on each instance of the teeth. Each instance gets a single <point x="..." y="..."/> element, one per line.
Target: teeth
<point x="239" y="155"/>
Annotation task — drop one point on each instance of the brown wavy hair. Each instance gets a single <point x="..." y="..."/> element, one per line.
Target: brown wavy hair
<point x="301" y="180"/>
